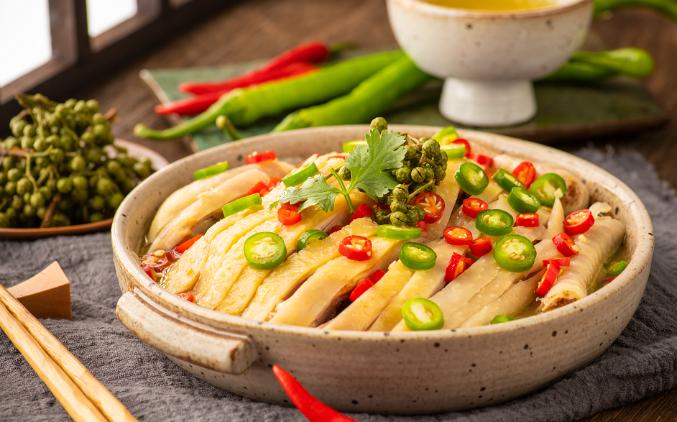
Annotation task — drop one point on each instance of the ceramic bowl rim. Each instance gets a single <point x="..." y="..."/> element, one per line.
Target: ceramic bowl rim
<point x="440" y="11"/>
<point x="638" y="261"/>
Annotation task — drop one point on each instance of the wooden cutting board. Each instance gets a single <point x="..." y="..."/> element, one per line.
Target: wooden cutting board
<point x="566" y="111"/>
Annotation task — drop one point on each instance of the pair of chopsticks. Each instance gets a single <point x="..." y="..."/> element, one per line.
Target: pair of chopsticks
<point x="78" y="391"/>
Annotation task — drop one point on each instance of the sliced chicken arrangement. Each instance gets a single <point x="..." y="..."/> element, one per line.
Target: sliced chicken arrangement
<point x="396" y="233"/>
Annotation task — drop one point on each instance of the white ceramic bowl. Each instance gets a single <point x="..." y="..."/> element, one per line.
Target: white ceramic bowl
<point x="410" y="372"/>
<point x="489" y="58"/>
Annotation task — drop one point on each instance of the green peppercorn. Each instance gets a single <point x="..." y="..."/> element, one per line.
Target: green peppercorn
<point x="402" y="174"/>
<point x="23" y="186"/>
<point x="379" y="123"/>
<point x="64" y="185"/>
<point x="97" y="203"/>
<point x="418" y="175"/>
<point x="399" y="218"/>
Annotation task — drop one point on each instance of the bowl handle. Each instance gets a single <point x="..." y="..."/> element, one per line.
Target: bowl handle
<point x="183" y="339"/>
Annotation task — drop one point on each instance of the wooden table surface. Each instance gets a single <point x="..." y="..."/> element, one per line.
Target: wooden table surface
<point x="253" y="30"/>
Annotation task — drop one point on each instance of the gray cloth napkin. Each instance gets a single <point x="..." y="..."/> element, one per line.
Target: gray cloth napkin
<point x="641" y="363"/>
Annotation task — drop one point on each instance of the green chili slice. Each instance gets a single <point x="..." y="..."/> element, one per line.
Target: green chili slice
<point x="494" y="222"/>
<point x="499" y="319"/>
<point x="471" y="178"/>
<point x="241" y="204"/>
<point x="453" y="151"/>
<point x="615" y="268"/>
<point x="446" y="135"/>
<point x="417" y="256"/>
<point x="506" y="180"/>
<point x="390" y="231"/>
<point x="211" y="170"/>
<point x="421" y="314"/>
<point x="264" y="250"/>
<point x="308" y="237"/>
<point x="514" y="253"/>
<point x="300" y="176"/>
<point x="522" y="201"/>
<point x="545" y="187"/>
<point x="349" y="146"/>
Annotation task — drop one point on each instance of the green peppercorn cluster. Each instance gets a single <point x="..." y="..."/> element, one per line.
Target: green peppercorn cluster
<point x="60" y="166"/>
<point x="424" y="167"/>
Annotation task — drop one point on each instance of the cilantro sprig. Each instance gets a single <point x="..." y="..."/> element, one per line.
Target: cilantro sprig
<point x="369" y="167"/>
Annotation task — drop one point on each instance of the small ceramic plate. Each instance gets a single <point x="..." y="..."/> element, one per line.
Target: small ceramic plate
<point x="135" y="150"/>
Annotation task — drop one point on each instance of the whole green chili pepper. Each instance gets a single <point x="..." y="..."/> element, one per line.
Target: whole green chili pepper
<point x="370" y="98"/>
<point x="579" y="72"/>
<point x="667" y="7"/>
<point x="592" y="66"/>
<point x="245" y="106"/>
<point x="633" y="62"/>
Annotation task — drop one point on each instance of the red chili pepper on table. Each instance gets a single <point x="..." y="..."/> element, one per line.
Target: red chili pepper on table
<point x="309" y="405"/>
<point x="468" y="148"/>
<point x="457" y="264"/>
<point x="552" y="270"/>
<point x="202" y="101"/>
<point x="303" y="54"/>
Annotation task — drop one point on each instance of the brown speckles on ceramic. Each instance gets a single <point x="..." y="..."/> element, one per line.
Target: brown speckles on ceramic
<point x="385" y="372"/>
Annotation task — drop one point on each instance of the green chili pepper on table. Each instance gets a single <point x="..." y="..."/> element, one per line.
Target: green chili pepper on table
<point x="417" y="256"/>
<point x="471" y="178"/>
<point x="546" y="186"/>
<point x="310" y="236"/>
<point x="247" y="105"/>
<point x="523" y="201"/>
<point x="667" y="7"/>
<point x="264" y="250"/>
<point x="370" y="98"/>
<point x="593" y="66"/>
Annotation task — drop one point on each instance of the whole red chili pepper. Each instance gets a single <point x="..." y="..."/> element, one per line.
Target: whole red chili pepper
<point x="200" y="103"/>
<point x="311" y="407"/>
<point x="305" y="54"/>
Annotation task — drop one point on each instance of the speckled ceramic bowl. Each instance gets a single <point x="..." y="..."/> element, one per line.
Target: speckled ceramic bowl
<point x="489" y="58"/>
<point x="411" y="372"/>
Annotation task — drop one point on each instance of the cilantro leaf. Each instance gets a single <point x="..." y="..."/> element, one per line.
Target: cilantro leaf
<point x="369" y="164"/>
<point x="314" y="191"/>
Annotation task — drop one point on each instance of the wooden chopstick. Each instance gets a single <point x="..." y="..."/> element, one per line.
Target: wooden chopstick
<point x="83" y="396"/>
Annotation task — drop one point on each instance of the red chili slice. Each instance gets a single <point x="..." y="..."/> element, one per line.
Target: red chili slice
<point x="187" y="296"/>
<point x="578" y="222"/>
<point x="183" y="247"/>
<point x="149" y="271"/>
<point x="257" y="157"/>
<point x="525" y="172"/>
<point x="457" y="264"/>
<point x="432" y="204"/>
<point x="363" y="210"/>
<point x="484" y="160"/>
<point x="480" y="246"/>
<point x="458" y="236"/>
<point x="527" y="220"/>
<point x="334" y="229"/>
<point x="357" y="248"/>
<point x="377" y="275"/>
<point x="565" y="245"/>
<point x="361" y="287"/>
<point x="288" y="214"/>
<point x="468" y="149"/>
<point x="562" y="262"/>
<point x="423" y="226"/>
<point x="473" y="206"/>
<point x="548" y="279"/>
